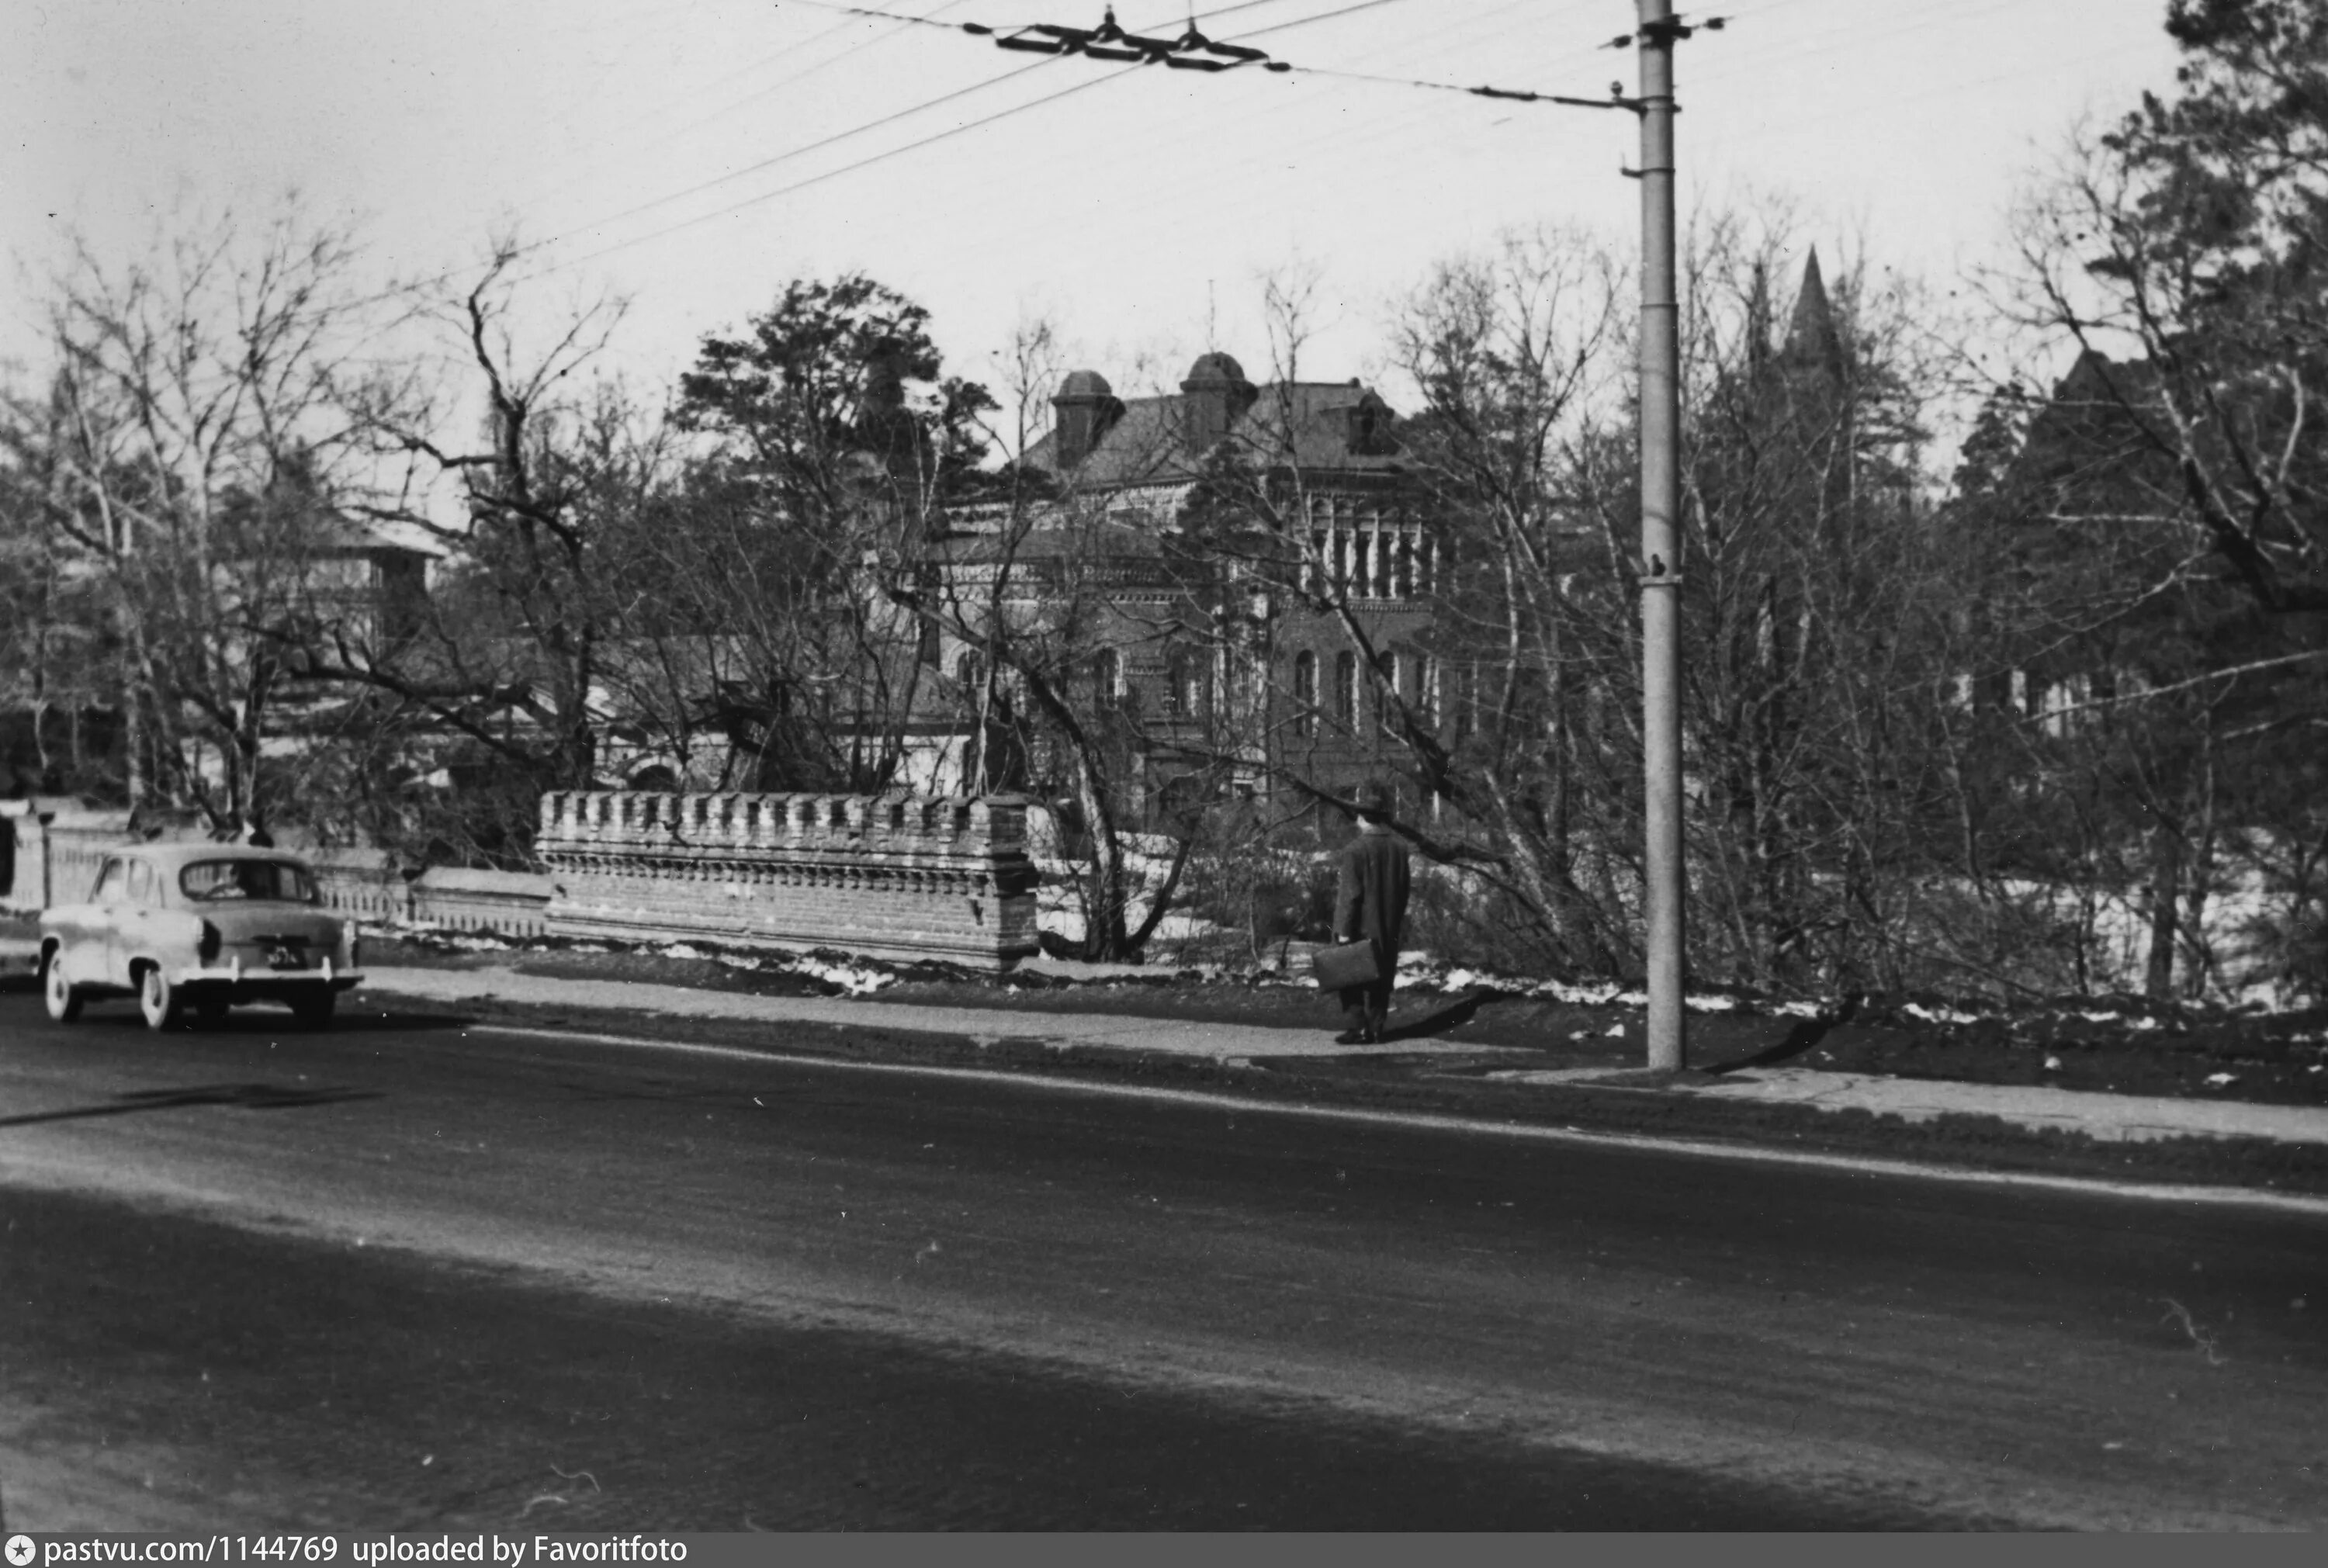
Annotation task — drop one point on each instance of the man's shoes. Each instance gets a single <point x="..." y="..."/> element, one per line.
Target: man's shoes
<point x="1353" y="1037"/>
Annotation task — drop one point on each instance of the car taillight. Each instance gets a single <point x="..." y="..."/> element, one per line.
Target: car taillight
<point x="207" y="950"/>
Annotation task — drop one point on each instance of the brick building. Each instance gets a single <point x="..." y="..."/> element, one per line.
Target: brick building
<point x="1193" y="555"/>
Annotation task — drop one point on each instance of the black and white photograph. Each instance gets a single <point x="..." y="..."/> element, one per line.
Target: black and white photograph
<point x="1035" y="767"/>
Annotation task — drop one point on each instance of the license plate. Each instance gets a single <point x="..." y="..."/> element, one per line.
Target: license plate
<point x="285" y="958"/>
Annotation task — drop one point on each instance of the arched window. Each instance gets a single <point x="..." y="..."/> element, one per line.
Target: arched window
<point x="1305" y="694"/>
<point x="1345" y="689"/>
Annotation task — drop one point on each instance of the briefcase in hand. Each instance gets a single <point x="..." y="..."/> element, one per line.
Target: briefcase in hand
<point x="1345" y="964"/>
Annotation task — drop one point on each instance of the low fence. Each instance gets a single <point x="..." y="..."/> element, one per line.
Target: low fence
<point x="503" y="903"/>
<point x="899" y="877"/>
<point x="52" y="858"/>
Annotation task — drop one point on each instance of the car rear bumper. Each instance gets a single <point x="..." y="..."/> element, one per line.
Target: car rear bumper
<point x="239" y="982"/>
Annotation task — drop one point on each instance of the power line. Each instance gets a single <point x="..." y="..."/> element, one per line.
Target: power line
<point x="891" y="152"/>
<point x="1192" y="50"/>
<point x="583" y="154"/>
<point x="531" y="247"/>
<point x="837" y="137"/>
<point x="1234" y="44"/>
<point x="846" y="168"/>
<point x="783" y="81"/>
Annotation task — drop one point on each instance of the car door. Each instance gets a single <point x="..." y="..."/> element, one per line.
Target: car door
<point x="86" y="946"/>
<point x="126" y="922"/>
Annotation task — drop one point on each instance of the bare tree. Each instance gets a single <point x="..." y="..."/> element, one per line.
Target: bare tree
<point x="193" y="459"/>
<point x="512" y="659"/>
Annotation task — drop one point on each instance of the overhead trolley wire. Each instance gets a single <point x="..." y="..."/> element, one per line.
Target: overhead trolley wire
<point x="1192" y="50"/>
<point x="694" y="98"/>
<point x="531" y="247"/>
<point x="805" y="71"/>
<point x="1140" y="53"/>
<point x="887" y="120"/>
<point x="845" y="169"/>
<point x="837" y="137"/>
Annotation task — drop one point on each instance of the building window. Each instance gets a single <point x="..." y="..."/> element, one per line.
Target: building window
<point x="1362" y="573"/>
<point x="1346" y="690"/>
<point x="1184" y="687"/>
<point x="1387" y="695"/>
<point x="1107" y="679"/>
<point x="1403" y="583"/>
<point x="1426" y="692"/>
<point x="1313" y="572"/>
<point x="1305" y="694"/>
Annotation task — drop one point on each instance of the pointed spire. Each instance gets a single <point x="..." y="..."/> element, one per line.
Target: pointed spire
<point x="1811" y="337"/>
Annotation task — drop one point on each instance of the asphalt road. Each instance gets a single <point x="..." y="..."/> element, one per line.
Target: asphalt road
<point x="407" y="1273"/>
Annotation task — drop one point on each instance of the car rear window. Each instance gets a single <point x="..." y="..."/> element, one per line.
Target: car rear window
<point x="216" y="881"/>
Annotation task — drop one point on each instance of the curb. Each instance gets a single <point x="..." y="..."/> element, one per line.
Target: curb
<point x="1458" y="1082"/>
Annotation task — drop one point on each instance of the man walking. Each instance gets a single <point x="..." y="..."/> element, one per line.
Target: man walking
<point x="1370" y="904"/>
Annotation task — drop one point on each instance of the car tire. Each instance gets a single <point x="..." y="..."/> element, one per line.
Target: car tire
<point x="157" y="1000"/>
<point x="314" y="1012"/>
<point x="60" y="996"/>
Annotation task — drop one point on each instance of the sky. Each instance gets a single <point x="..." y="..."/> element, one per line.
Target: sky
<point x="695" y="155"/>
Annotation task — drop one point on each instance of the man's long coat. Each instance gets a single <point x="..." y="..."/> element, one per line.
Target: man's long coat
<point x="1370" y="900"/>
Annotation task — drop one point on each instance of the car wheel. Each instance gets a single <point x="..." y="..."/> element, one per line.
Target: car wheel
<point x="316" y="1011"/>
<point x="157" y="999"/>
<point x="62" y="997"/>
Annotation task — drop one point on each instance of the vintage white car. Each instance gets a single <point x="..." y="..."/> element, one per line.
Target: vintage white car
<point x="198" y="927"/>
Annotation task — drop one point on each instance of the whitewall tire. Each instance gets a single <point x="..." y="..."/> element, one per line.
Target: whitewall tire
<point x="62" y="997"/>
<point x="157" y="999"/>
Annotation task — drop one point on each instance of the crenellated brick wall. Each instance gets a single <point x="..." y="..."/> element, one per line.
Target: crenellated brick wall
<point x="898" y="876"/>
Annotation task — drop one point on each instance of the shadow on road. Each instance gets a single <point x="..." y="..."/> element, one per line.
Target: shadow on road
<point x="241" y="1096"/>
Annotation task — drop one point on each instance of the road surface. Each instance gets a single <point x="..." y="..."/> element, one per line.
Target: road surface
<point x="411" y="1274"/>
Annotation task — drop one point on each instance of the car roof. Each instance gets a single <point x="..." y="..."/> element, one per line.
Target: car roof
<point x="172" y="857"/>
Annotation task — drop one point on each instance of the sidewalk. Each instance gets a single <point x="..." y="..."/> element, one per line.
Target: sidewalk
<point x="2110" y="1118"/>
